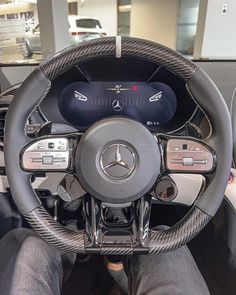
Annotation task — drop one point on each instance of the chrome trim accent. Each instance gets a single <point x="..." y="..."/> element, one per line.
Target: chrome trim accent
<point x="118" y="46"/>
<point x="118" y="161"/>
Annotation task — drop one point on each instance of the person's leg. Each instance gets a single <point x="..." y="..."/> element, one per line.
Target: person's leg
<point x="116" y="270"/>
<point x="174" y="273"/>
<point x="28" y="265"/>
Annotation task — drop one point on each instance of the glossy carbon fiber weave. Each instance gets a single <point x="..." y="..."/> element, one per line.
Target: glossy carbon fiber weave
<point x="116" y="251"/>
<point x="63" y="238"/>
<point x="106" y="47"/>
<point x="54" y="233"/>
<point x="180" y="234"/>
<point x="159" y="54"/>
<point x="81" y="52"/>
<point x="160" y="241"/>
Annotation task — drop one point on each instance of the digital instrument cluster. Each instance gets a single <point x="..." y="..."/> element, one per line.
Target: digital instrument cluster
<point x="83" y="103"/>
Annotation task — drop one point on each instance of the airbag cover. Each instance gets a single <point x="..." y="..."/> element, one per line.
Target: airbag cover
<point x="117" y="160"/>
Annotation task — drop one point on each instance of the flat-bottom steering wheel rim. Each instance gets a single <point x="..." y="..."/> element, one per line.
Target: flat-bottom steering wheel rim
<point x="36" y="87"/>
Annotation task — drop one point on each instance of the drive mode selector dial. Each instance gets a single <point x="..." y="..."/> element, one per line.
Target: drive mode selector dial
<point x="117" y="160"/>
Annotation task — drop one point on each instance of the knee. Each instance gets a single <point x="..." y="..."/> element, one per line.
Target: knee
<point x="37" y="249"/>
<point x="30" y="246"/>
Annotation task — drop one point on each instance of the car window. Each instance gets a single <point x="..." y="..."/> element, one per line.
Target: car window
<point x="88" y="23"/>
<point x="198" y="29"/>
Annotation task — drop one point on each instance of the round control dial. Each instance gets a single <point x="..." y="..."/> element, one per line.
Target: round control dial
<point x="166" y="190"/>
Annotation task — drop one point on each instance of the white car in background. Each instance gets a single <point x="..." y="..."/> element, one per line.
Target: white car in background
<point x="80" y="28"/>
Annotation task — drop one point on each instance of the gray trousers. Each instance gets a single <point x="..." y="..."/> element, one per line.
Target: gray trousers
<point x="29" y="266"/>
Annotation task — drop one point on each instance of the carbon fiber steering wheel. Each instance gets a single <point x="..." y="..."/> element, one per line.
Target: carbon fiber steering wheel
<point x="117" y="161"/>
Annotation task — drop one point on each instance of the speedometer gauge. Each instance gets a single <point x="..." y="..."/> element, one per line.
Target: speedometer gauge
<point x="83" y="103"/>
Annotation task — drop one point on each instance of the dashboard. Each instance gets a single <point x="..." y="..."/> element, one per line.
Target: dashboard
<point x="141" y="91"/>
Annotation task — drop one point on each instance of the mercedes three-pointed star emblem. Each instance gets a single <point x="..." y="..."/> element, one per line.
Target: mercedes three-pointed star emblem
<point x="122" y="156"/>
<point x="118" y="105"/>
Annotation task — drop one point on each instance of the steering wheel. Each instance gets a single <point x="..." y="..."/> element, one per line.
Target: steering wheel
<point x="118" y="161"/>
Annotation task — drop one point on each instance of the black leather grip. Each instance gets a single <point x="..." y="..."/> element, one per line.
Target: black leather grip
<point x="213" y="104"/>
<point x="31" y="92"/>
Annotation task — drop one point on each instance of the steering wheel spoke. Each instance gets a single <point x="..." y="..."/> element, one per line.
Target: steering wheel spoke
<point x="109" y="230"/>
<point x="50" y="154"/>
<point x="187" y="155"/>
<point x="70" y="189"/>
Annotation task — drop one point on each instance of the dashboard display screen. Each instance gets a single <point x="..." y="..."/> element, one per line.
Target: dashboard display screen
<point x="83" y="103"/>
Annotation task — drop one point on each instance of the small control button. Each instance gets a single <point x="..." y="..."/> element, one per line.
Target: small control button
<point x="61" y="142"/>
<point x="51" y="145"/>
<point x="36" y="160"/>
<point x="188" y="161"/>
<point x="40" y="147"/>
<point x="47" y="160"/>
<point x="184" y="146"/>
<point x="32" y="128"/>
<point x="177" y="161"/>
<point x="200" y="162"/>
<point x="61" y="147"/>
<point x="59" y="160"/>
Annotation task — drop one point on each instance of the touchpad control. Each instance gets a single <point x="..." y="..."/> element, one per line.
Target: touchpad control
<point x="188" y="155"/>
<point x="47" y="154"/>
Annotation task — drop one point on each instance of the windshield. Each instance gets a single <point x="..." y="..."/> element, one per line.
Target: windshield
<point x="198" y="29"/>
<point x="88" y="23"/>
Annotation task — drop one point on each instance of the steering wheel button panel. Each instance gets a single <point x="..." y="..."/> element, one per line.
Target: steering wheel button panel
<point x="189" y="156"/>
<point x="47" y="154"/>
